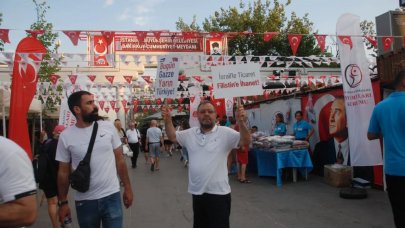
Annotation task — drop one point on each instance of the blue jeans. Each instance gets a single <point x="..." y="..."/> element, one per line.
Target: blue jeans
<point x="107" y="210"/>
<point x="184" y="153"/>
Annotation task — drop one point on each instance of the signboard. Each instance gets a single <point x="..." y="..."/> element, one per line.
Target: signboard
<point x="130" y="43"/>
<point x="237" y="80"/>
<point x="167" y="77"/>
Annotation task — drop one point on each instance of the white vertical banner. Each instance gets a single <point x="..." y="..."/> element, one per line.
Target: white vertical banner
<point x="194" y="102"/>
<point x="358" y="92"/>
<point x="167" y="77"/>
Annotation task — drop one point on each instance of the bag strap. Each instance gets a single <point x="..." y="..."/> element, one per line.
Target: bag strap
<point x="92" y="139"/>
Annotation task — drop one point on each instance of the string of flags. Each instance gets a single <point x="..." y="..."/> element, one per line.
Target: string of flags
<point x="133" y="96"/>
<point x="293" y="39"/>
<point x="203" y="61"/>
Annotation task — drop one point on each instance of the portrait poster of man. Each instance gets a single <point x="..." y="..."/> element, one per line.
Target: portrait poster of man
<point x="216" y="47"/>
<point x="330" y="142"/>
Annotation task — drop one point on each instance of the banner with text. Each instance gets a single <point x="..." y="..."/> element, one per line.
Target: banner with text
<point x="130" y="43"/>
<point x="237" y="80"/>
<point x="167" y="77"/>
<point x="358" y="93"/>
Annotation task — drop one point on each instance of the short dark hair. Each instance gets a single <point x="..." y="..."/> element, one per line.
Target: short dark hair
<point x="281" y="116"/>
<point x="117" y="120"/>
<point x="75" y="99"/>
<point x="297" y="113"/>
<point x="398" y="79"/>
<point x="255" y="127"/>
<point x="204" y="102"/>
<point x="215" y="44"/>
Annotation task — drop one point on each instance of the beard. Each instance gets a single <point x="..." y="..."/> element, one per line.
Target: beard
<point x="91" y="117"/>
<point x="207" y="125"/>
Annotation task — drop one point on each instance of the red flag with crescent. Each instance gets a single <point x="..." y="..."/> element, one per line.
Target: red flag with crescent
<point x="387" y="42"/>
<point x="54" y="78"/>
<point x="100" y="48"/>
<point x="35" y="33"/>
<point x="219" y="106"/>
<point x="128" y="78"/>
<point x="346" y="40"/>
<point x="321" y="42"/>
<point x="101" y="104"/>
<point x="295" y="40"/>
<point x="110" y="78"/>
<point x="73" y="36"/>
<point x="72" y="78"/>
<point x="147" y="79"/>
<point x="91" y="77"/>
<point x="4" y="35"/>
<point x="372" y="41"/>
<point x="23" y="88"/>
<point x="267" y="36"/>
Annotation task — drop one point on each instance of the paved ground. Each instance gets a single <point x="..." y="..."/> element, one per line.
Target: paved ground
<point x="162" y="201"/>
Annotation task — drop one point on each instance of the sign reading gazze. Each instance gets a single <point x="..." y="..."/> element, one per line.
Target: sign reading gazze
<point x="167" y="77"/>
<point x="237" y="80"/>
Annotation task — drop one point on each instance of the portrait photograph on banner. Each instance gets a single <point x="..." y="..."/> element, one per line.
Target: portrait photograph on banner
<point x="216" y="47"/>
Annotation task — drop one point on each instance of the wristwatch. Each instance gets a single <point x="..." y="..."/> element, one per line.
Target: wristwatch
<point x="62" y="202"/>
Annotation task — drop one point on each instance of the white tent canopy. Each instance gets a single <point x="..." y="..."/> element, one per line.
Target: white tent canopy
<point x="35" y="106"/>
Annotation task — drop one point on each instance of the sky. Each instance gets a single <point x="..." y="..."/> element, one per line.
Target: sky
<point x="144" y="15"/>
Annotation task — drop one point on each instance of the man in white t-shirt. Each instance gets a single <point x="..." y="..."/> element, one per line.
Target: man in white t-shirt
<point x="101" y="204"/>
<point x="18" y="206"/>
<point x="134" y="138"/>
<point x="154" y="140"/>
<point x="208" y="147"/>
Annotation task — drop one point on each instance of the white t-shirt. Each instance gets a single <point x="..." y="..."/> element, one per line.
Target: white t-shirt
<point x="153" y="134"/>
<point x="72" y="146"/>
<point x="16" y="172"/>
<point x="133" y="135"/>
<point x="208" y="153"/>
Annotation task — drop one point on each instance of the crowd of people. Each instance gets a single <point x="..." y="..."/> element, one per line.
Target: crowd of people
<point x="209" y="151"/>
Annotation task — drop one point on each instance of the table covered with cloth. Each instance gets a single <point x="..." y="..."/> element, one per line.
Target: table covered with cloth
<point x="271" y="162"/>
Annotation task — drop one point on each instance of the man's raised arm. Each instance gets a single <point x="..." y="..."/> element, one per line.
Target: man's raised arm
<point x="170" y="130"/>
<point x="243" y="130"/>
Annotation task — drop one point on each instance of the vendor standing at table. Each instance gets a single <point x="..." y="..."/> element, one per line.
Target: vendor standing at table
<point x="280" y="127"/>
<point x="302" y="129"/>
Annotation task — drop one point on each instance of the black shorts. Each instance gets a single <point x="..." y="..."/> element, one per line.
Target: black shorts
<point x="50" y="191"/>
<point x="167" y="142"/>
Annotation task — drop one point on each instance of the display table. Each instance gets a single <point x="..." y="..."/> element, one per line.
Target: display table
<point x="271" y="162"/>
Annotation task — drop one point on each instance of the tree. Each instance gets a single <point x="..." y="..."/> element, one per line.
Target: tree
<point x="367" y="28"/>
<point x="50" y="64"/>
<point x="259" y="17"/>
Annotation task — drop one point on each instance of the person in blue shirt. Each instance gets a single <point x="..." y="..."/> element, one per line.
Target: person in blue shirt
<point x="388" y="122"/>
<point x="302" y="129"/>
<point x="280" y="127"/>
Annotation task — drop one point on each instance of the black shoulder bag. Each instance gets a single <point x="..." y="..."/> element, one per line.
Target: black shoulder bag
<point x="80" y="178"/>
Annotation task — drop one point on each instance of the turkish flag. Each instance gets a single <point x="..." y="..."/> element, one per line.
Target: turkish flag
<point x="267" y="36"/>
<point x="295" y="40"/>
<point x="219" y="106"/>
<point x="321" y="42"/>
<point x="387" y="42"/>
<point x="4" y="35"/>
<point x="100" y="48"/>
<point x="73" y="36"/>
<point x="372" y="41"/>
<point x="54" y="78"/>
<point x="23" y="88"/>
<point x="346" y="40"/>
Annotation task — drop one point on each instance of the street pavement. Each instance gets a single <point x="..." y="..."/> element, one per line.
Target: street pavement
<point x="161" y="201"/>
